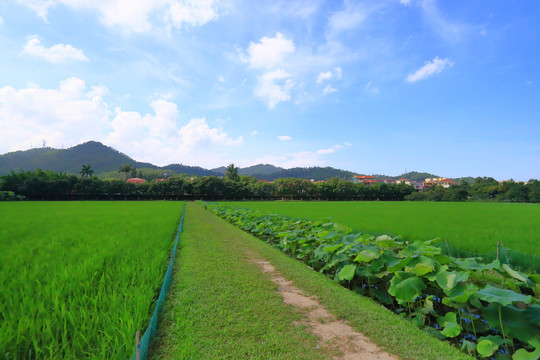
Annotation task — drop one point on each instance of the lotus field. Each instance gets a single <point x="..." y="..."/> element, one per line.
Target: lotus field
<point x="471" y="226"/>
<point x="487" y="309"/>
<point x="78" y="279"/>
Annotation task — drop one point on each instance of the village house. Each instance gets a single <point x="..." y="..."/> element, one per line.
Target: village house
<point x="136" y="180"/>
<point x="444" y="182"/>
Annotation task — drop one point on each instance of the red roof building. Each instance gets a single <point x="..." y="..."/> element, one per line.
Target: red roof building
<point x="136" y="180"/>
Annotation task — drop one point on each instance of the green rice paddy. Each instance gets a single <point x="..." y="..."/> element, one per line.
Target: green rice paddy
<point x="78" y="279"/>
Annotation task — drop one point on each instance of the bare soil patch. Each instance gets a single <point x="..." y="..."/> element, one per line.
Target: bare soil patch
<point x="336" y="336"/>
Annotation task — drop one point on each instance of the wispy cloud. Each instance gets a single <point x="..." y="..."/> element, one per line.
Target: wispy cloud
<point x="284" y="138"/>
<point x="274" y="87"/>
<point x="137" y="15"/>
<point x="430" y="68"/>
<point x="329" y="90"/>
<point x="55" y="54"/>
<point x="324" y="76"/>
<point x="371" y="88"/>
<point x="449" y="30"/>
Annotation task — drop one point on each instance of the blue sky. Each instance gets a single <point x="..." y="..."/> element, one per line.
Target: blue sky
<point x="448" y="87"/>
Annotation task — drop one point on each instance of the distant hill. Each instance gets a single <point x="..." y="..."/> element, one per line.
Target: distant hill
<point x="102" y="158"/>
<point x="192" y="170"/>
<point x="105" y="159"/>
<point x="260" y="169"/>
<point x="310" y="173"/>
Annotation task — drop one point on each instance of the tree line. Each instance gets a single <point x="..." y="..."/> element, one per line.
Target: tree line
<point x="49" y="185"/>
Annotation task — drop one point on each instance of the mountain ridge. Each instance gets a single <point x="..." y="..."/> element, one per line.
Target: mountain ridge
<point x="104" y="159"/>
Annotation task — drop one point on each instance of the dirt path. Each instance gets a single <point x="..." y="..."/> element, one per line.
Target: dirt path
<point x="334" y="335"/>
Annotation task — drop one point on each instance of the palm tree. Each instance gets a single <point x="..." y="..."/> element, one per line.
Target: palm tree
<point x="232" y="173"/>
<point x="125" y="169"/>
<point x="86" y="171"/>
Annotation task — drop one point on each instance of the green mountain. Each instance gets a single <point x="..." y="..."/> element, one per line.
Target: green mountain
<point x="192" y="170"/>
<point x="310" y="173"/>
<point x="260" y="169"/>
<point x="103" y="159"/>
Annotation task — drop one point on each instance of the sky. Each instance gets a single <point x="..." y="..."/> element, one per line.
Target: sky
<point x="374" y="87"/>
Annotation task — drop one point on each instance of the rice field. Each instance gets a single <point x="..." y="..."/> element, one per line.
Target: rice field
<point x="78" y="279"/>
<point x="472" y="226"/>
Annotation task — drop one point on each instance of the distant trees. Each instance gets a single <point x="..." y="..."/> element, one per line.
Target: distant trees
<point x="86" y="171"/>
<point x="232" y="173"/>
<point x="48" y="185"/>
<point x="126" y="168"/>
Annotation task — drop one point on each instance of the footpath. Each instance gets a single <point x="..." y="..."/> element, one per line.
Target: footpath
<point x="235" y="297"/>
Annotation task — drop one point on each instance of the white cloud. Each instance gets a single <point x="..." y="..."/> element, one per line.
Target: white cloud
<point x="55" y="54"/>
<point x="254" y="132"/>
<point x="1" y="20"/>
<point x="220" y="78"/>
<point x="330" y="150"/>
<point x="284" y="138"/>
<point x="328" y="75"/>
<point x="324" y="76"/>
<point x="405" y="2"/>
<point x="329" y="90"/>
<point x="347" y="143"/>
<point x="351" y="17"/>
<point x="326" y="151"/>
<point x="72" y="113"/>
<point x="135" y="15"/>
<point x="193" y="12"/>
<point x="274" y="87"/>
<point x="269" y="52"/>
<point x="157" y="136"/>
<point x="66" y="115"/>
<point x="430" y="68"/>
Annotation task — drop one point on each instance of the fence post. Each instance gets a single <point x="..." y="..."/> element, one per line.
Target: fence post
<point x="505" y="255"/>
<point x="138" y="348"/>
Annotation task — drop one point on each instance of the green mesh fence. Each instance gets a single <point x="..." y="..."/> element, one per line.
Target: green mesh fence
<point x="151" y="330"/>
<point x="515" y="259"/>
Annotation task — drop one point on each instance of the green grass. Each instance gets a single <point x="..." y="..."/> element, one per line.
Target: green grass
<point x="221" y="306"/>
<point x="472" y="226"/>
<point x="78" y="278"/>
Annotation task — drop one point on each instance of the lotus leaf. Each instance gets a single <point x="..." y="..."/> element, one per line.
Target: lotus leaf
<point x="406" y="286"/>
<point x="504" y="297"/>
<point x="523" y="354"/>
<point x="367" y="256"/>
<point x="514" y="322"/>
<point x="449" y="322"/>
<point x="532" y="312"/>
<point x="448" y="280"/>
<point x="515" y="274"/>
<point x="421" y="266"/>
<point x="486" y="347"/>
<point x="347" y="272"/>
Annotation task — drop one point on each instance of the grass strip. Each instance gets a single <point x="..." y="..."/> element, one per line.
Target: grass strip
<point x="221" y="306"/>
<point x="202" y="300"/>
